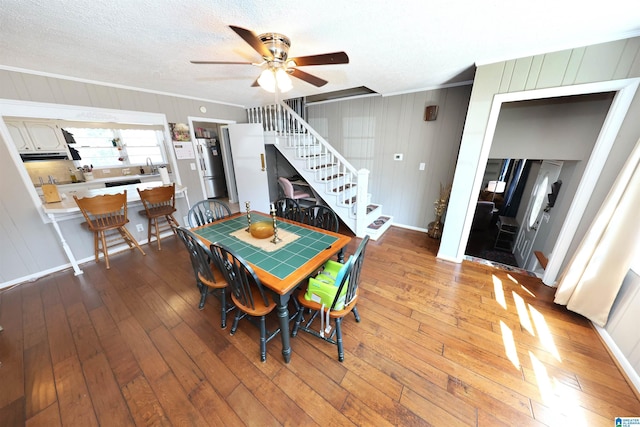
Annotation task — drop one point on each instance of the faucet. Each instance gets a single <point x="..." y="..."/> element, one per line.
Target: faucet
<point x="154" y="169"/>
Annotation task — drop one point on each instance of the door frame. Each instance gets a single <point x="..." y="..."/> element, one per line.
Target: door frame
<point x="192" y="131"/>
<point x="625" y="91"/>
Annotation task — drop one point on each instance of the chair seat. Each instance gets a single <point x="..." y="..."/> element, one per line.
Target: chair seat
<point x="215" y="283"/>
<point x="113" y="222"/>
<point x="317" y="306"/>
<point x="158" y="211"/>
<point x="298" y="194"/>
<point x="260" y="308"/>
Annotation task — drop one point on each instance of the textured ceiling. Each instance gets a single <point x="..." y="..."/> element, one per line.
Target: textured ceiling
<point x="393" y="46"/>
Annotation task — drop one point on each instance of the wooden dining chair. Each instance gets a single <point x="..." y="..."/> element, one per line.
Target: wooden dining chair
<point x="103" y="213"/>
<point x="159" y="204"/>
<point x="332" y="294"/>
<point x="207" y="211"/>
<point x="287" y="208"/>
<point x="209" y="279"/>
<point x="247" y="293"/>
<point x="320" y="216"/>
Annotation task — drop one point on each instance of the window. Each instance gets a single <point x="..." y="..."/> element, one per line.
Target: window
<point x="538" y="201"/>
<point x="104" y="147"/>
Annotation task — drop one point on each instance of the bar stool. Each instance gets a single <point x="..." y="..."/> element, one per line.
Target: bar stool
<point x="103" y="213"/>
<point x="159" y="203"/>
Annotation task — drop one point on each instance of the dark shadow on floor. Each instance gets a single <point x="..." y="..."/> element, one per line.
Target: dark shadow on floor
<point x="481" y="244"/>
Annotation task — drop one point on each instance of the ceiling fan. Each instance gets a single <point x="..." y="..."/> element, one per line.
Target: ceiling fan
<point x="274" y="49"/>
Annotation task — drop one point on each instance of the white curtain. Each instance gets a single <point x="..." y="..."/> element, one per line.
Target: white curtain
<point x="593" y="277"/>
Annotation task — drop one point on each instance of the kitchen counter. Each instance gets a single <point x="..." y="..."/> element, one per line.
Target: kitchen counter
<point x="68" y="204"/>
<point x="70" y="185"/>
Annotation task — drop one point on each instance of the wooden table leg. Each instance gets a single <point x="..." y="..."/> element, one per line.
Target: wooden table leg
<point x="282" y="302"/>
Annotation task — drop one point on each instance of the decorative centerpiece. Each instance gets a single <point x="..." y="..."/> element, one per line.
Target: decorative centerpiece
<point x="261" y="229"/>
<point x="434" y="229"/>
<point x="247" y="205"/>
<point x="275" y="239"/>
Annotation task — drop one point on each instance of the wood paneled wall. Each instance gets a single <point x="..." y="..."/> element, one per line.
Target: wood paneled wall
<point x="370" y="131"/>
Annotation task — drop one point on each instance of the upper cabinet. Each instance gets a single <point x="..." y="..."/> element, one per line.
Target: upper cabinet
<point x="36" y="136"/>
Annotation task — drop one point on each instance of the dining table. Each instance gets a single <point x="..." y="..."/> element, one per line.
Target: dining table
<point x="281" y="266"/>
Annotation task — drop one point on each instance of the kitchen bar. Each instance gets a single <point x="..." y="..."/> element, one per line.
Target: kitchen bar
<point x="68" y="209"/>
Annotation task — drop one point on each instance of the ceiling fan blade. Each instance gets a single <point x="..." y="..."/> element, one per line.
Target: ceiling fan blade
<point x="324" y="59"/>
<point x="309" y="78"/>
<point x="221" y="62"/>
<point x="253" y="40"/>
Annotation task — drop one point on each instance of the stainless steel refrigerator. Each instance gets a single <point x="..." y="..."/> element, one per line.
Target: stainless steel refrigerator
<point x="212" y="167"/>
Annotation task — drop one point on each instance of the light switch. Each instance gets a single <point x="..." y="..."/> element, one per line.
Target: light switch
<point x="421" y="167"/>
<point x="397" y="156"/>
<point x="193" y="166"/>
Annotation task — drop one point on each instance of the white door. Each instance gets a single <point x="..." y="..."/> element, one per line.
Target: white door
<point x="533" y="217"/>
<point x="250" y="165"/>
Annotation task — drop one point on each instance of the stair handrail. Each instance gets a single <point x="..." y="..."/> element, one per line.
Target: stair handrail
<point x="273" y="119"/>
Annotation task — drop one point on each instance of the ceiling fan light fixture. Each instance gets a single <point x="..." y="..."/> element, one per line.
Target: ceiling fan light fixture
<point x="267" y="80"/>
<point x="270" y="77"/>
<point x="283" y="80"/>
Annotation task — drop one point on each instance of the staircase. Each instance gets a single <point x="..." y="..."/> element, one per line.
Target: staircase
<point x="331" y="176"/>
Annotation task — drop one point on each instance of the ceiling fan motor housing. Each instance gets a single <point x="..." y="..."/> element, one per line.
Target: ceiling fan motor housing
<point x="278" y="45"/>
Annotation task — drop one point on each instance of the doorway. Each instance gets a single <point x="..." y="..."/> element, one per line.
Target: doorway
<point x="202" y="130"/>
<point x="463" y="199"/>
<point x="494" y="226"/>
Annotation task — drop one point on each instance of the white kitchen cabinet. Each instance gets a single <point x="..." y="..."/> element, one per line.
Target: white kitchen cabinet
<point x="37" y="136"/>
<point x="20" y="137"/>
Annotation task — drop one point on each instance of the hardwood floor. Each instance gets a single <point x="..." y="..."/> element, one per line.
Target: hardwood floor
<point x="439" y="344"/>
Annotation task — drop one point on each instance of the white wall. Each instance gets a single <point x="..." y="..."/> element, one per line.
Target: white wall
<point x="623" y="322"/>
<point x="562" y="128"/>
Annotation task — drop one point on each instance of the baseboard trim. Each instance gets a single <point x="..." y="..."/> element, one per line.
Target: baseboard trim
<point x="632" y="377"/>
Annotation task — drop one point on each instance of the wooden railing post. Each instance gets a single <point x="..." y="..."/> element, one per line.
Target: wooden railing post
<point x="362" y="194"/>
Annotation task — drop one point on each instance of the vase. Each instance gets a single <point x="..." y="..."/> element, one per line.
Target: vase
<point x="434" y="229"/>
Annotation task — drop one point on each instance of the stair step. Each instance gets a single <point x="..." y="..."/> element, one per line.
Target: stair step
<point x="379" y="226"/>
<point x="351" y="201"/>
<point x="328" y="165"/>
<point x="342" y="188"/>
<point x="371" y="208"/>
<point x="332" y="177"/>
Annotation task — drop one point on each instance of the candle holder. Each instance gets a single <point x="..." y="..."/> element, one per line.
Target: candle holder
<point x="275" y="239"/>
<point x="248" y="207"/>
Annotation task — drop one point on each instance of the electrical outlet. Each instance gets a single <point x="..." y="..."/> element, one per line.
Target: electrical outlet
<point x="421" y="166"/>
<point x="139" y="227"/>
